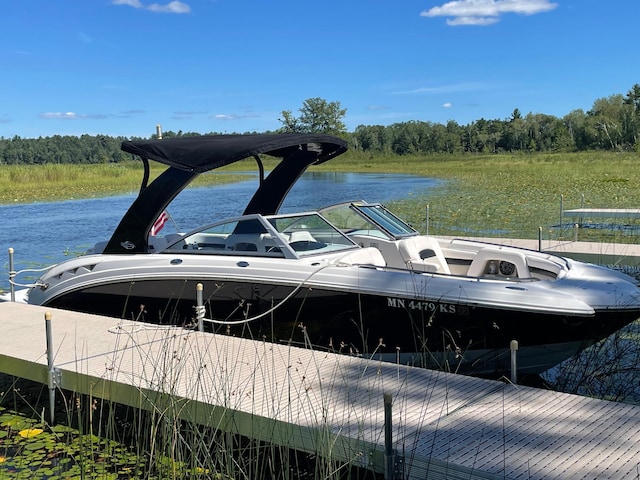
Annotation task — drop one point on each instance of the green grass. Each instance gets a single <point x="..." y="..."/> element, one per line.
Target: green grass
<point x="511" y="195"/>
<point x="30" y="183"/>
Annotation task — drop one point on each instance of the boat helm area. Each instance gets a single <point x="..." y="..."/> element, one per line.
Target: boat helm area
<point x="284" y="236"/>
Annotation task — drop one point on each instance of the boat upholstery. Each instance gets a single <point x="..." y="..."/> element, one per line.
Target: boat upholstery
<point x="488" y="262"/>
<point x="423" y="254"/>
<point x="250" y="242"/>
<point x="363" y="256"/>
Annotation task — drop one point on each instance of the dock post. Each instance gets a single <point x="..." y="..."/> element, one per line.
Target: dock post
<point x="576" y="227"/>
<point x="539" y="239"/>
<point x="514" y="363"/>
<point x="12" y="274"/>
<point x="388" y="439"/>
<point x="561" y="215"/>
<point x="200" y="308"/>
<point x="427" y="219"/>
<point x="51" y="368"/>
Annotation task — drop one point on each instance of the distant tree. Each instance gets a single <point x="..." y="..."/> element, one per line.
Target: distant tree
<point x="631" y="121"/>
<point x="606" y="117"/>
<point x="633" y="99"/>
<point x="290" y="124"/>
<point x="316" y="116"/>
<point x="514" y="135"/>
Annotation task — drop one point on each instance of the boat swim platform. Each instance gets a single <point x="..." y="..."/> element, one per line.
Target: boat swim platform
<point x="600" y="253"/>
<point x="443" y="425"/>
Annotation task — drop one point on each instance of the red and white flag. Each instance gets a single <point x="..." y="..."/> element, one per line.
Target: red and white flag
<point x="159" y="223"/>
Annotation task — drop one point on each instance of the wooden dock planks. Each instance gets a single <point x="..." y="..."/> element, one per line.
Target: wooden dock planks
<point x="444" y="425"/>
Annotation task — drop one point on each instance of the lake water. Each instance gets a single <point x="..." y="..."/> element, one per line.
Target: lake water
<point x="45" y="233"/>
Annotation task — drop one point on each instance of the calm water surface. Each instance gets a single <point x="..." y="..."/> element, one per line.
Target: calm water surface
<point x="45" y="233"/>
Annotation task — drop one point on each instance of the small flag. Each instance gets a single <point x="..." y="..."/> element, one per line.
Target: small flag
<point x="159" y="223"/>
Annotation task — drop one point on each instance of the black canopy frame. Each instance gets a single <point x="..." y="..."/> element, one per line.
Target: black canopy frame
<point x="188" y="157"/>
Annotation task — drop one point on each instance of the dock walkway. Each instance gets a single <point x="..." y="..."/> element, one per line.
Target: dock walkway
<point x="444" y="425"/>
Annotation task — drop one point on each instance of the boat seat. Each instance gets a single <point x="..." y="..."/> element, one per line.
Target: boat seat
<point x="422" y="253"/>
<point x="301" y="236"/>
<point x="363" y="256"/>
<point x="497" y="262"/>
<point x="244" y="242"/>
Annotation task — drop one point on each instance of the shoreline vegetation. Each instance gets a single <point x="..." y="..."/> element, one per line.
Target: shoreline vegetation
<point x="504" y="195"/>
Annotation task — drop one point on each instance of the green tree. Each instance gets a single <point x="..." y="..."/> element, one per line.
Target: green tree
<point x="631" y="120"/>
<point x="606" y="118"/>
<point x="316" y="116"/>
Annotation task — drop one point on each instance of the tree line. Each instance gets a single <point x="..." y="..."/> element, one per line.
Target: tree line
<point x="612" y="124"/>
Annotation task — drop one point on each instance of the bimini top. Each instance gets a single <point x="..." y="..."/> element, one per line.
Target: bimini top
<point x="203" y="153"/>
<point x="187" y="157"/>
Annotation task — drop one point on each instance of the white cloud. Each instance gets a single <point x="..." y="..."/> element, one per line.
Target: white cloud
<point x="472" y="21"/>
<point x="131" y="3"/>
<point x="65" y="115"/>
<point x="71" y="116"/>
<point x="447" y="105"/>
<point x="174" y="6"/>
<point x="486" y="12"/>
<point x="233" y="116"/>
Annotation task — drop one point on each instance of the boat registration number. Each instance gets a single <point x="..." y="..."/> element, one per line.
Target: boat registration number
<point x="421" y="306"/>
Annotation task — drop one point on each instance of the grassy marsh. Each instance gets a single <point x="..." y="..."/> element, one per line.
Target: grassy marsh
<point x="31" y="183"/>
<point x="510" y="195"/>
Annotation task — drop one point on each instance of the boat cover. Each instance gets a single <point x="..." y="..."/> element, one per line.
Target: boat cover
<point x="207" y="152"/>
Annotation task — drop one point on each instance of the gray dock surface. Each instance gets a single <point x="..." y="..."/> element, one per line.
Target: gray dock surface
<point x="444" y="425"/>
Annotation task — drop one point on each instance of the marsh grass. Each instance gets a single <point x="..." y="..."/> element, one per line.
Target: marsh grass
<point x="512" y="196"/>
<point x="29" y="183"/>
<point x="608" y="370"/>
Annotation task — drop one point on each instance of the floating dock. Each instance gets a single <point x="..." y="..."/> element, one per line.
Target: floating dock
<point x="441" y="425"/>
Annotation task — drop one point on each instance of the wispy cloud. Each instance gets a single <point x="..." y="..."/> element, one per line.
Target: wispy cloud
<point x="186" y="114"/>
<point x="72" y="116"/>
<point x="4" y="118"/>
<point x="233" y="116"/>
<point x="85" y="38"/>
<point x="457" y="87"/>
<point x="486" y="12"/>
<point x="174" y="6"/>
<point x="378" y="107"/>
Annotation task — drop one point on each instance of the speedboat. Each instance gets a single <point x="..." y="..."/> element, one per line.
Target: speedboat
<point x="351" y="278"/>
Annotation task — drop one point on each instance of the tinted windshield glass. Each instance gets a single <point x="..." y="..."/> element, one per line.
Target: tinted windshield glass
<point x="310" y="233"/>
<point x="386" y="220"/>
<point x="367" y="219"/>
<point x="290" y="236"/>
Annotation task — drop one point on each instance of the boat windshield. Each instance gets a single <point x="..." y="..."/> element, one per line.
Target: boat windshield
<point x="367" y="219"/>
<point x="289" y="236"/>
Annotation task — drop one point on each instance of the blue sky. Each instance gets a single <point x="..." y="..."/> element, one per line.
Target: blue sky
<point x="119" y="67"/>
